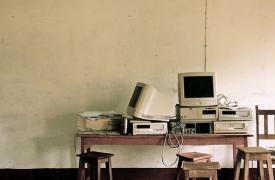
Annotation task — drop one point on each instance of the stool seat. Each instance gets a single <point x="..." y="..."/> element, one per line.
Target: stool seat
<point x="191" y="157"/>
<point x="254" y="150"/>
<point x="194" y="156"/>
<point x="94" y="155"/>
<point x="201" y="170"/>
<point x="94" y="159"/>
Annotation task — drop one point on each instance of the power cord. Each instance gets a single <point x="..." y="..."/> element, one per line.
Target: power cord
<point x="168" y="140"/>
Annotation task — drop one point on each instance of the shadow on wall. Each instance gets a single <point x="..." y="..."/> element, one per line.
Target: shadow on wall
<point x="55" y="148"/>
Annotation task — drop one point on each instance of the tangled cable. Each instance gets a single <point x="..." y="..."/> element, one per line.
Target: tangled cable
<point x="171" y="144"/>
<point x="223" y="101"/>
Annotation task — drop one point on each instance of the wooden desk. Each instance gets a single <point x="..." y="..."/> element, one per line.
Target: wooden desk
<point x="188" y="139"/>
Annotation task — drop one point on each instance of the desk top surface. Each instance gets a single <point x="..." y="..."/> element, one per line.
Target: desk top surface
<point x="186" y="139"/>
<point x="87" y="134"/>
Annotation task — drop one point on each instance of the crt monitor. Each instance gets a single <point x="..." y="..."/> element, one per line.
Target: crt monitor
<point x="149" y="104"/>
<point x="197" y="89"/>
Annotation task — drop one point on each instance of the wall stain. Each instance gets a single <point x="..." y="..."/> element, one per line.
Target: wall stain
<point x="2" y="41"/>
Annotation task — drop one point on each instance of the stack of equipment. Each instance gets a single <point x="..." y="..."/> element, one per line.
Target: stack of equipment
<point x="233" y="120"/>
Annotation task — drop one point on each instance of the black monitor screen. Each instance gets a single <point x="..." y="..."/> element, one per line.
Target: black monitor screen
<point x="198" y="87"/>
<point x="135" y="96"/>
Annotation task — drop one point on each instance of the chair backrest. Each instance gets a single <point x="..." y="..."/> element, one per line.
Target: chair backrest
<point x="268" y="116"/>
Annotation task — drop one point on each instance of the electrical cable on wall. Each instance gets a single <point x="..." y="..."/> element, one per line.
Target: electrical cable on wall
<point x="205" y="36"/>
<point x="179" y="140"/>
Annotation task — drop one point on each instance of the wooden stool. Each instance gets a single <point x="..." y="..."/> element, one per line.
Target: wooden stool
<point x="94" y="160"/>
<point x="201" y="170"/>
<point x="191" y="157"/>
<point x="249" y="154"/>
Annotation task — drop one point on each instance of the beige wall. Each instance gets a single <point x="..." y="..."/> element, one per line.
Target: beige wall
<point x="61" y="58"/>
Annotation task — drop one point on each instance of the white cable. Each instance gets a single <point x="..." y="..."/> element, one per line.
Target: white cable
<point x="223" y="101"/>
<point x="172" y="145"/>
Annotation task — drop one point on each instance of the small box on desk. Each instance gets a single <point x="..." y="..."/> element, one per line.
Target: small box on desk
<point x="100" y="124"/>
<point x="138" y="127"/>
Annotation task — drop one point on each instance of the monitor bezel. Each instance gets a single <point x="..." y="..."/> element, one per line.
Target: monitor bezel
<point x="200" y="101"/>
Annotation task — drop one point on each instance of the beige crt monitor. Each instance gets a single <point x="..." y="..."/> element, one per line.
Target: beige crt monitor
<point x="197" y="89"/>
<point x="149" y="104"/>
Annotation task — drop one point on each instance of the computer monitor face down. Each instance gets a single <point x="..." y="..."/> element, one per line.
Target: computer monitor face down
<point x="197" y="89"/>
<point x="149" y="104"/>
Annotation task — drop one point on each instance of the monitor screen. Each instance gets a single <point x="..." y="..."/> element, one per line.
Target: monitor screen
<point x="198" y="86"/>
<point x="135" y="96"/>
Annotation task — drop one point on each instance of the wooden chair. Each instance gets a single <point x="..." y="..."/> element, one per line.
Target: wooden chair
<point x="260" y="154"/>
<point x="191" y="157"/>
<point x="94" y="160"/>
<point x="201" y="170"/>
<point x="265" y="117"/>
<point x="267" y="114"/>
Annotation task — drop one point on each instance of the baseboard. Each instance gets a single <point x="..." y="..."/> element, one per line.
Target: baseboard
<point x="118" y="174"/>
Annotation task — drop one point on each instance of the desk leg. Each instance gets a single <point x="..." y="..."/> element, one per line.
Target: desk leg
<point x="82" y="150"/>
<point x="234" y="153"/>
<point x="84" y="147"/>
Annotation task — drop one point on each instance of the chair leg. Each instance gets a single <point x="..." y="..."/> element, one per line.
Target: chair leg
<point x="98" y="173"/>
<point x="209" y="160"/>
<point x="109" y="169"/>
<point x="186" y="175"/>
<point x="246" y="167"/>
<point x="92" y="171"/>
<point x="216" y="176"/>
<point x="269" y="167"/>
<point x="81" y="170"/>
<point x="178" y="169"/>
<point x="237" y="167"/>
<point x="261" y="169"/>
